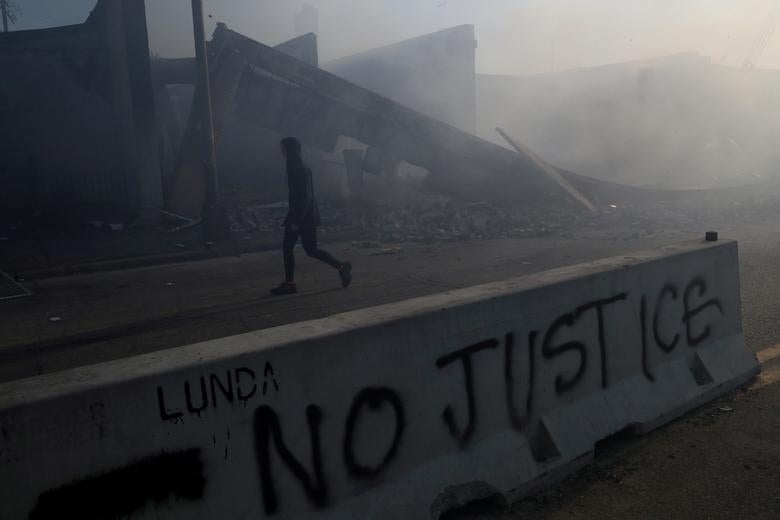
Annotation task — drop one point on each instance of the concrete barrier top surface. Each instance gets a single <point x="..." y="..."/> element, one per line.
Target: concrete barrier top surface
<point x="55" y="384"/>
<point x="399" y="411"/>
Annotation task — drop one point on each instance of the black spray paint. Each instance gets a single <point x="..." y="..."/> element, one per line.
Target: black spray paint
<point x="213" y="390"/>
<point x="122" y="492"/>
<point x="518" y="421"/>
<point x="268" y="430"/>
<point x="464" y="355"/>
<point x="372" y="399"/>
<point x="241" y="385"/>
<point x="700" y="284"/>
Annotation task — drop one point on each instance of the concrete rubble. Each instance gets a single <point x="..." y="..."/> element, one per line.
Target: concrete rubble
<point x="444" y="220"/>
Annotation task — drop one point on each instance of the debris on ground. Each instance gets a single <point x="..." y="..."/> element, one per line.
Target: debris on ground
<point x="365" y="244"/>
<point x="388" y="251"/>
<point x="443" y="221"/>
<point x="104" y="226"/>
<point x="717" y="412"/>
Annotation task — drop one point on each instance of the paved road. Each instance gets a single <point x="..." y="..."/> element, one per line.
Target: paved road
<point x="114" y="314"/>
<point x="108" y="315"/>
<point x="760" y="278"/>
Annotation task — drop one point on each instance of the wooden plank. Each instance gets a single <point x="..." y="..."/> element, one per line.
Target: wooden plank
<point x="548" y="170"/>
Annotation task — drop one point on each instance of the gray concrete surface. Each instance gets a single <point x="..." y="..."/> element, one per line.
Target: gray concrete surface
<point x="720" y="462"/>
<point x="411" y="406"/>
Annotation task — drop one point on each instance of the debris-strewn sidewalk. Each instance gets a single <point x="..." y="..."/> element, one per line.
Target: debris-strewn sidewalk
<point x="423" y="219"/>
<point x="256" y="228"/>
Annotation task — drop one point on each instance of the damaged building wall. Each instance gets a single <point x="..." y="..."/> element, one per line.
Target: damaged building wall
<point x="58" y="144"/>
<point x="303" y="47"/>
<point x="292" y="97"/>
<point x="433" y="74"/>
<point x="280" y="95"/>
<point x="64" y="130"/>
<point x="249" y="161"/>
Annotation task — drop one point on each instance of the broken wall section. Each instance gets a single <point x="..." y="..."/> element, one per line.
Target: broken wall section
<point x="78" y="136"/>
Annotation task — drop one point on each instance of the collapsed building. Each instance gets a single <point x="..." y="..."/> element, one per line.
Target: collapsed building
<point x="674" y="122"/>
<point x="109" y="134"/>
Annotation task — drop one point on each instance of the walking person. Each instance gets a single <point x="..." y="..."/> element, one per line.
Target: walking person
<point x="303" y="217"/>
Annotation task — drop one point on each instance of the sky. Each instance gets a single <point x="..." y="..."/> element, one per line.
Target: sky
<point x="515" y="36"/>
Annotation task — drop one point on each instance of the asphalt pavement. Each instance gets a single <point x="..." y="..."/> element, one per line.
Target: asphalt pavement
<point x="83" y="319"/>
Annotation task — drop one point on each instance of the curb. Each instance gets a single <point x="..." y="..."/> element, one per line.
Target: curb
<point x="143" y="261"/>
<point x="18" y="351"/>
<point x="231" y="248"/>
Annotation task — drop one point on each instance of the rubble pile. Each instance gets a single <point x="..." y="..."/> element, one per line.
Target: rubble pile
<point x="428" y="219"/>
<point x="445" y="221"/>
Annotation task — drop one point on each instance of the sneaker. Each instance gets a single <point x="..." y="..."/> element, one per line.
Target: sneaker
<point x="284" y="288"/>
<point x="345" y="273"/>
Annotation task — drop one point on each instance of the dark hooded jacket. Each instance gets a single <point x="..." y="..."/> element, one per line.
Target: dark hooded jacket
<point x="303" y="211"/>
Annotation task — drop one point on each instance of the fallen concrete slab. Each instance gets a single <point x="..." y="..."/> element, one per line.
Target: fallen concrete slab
<point x="399" y="411"/>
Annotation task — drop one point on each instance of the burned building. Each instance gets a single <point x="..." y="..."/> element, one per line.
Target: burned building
<point x="77" y="132"/>
<point x="130" y="149"/>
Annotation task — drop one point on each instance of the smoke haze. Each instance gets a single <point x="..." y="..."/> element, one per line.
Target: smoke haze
<point x="515" y="36"/>
<point x="652" y="124"/>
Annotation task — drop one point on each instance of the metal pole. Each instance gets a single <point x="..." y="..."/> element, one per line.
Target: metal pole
<point x="212" y="221"/>
<point x="4" y="9"/>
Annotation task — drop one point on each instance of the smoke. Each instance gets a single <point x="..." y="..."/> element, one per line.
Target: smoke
<point x="695" y="121"/>
<point x="677" y="122"/>
<point x="516" y="36"/>
<point x="650" y="124"/>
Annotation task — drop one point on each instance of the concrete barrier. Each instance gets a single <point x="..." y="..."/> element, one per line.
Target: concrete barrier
<point x="399" y="411"/>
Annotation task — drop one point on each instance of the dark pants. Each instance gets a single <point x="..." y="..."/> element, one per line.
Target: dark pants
<point x="309" y="239"/>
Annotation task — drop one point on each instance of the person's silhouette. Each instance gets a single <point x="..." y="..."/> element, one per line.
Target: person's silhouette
<point x="303" y="217"/>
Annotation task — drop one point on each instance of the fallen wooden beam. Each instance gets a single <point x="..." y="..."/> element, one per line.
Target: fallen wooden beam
<point x="548" y="170"/>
